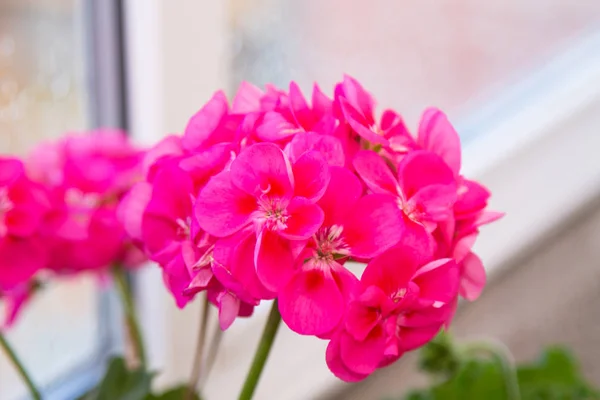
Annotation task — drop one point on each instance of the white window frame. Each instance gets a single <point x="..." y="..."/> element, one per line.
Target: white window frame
<point x="514" y="148"/>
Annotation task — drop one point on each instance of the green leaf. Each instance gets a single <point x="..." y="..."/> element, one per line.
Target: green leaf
<point x="119" y="383"/>
<point x="555" y="376"/>
<point x="177" y="393"/>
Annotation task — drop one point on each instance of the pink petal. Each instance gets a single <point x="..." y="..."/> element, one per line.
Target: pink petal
<point x="299" y="106"/>
<point x="169" y="147"/>
<point x="14" y="301"/>
<point x="221" y="208"/>
<point x="427" y="317"/>
<point x="311" y="303"/>
<point x="420" y="169"/>
<point x="273" y="259"/>
<point x="207" y="163"/>
<point x="275" y="127"/>
<point x="329" y="146"/>
<point x="411" y="339"/>
<point x="437" y="135"/>
<point x="236" y="255"/>
<point x="11" y="169"/>
<point x="21" y="259"/>
<point x="337" y="366"/>
<point x="342" y="193"/>
<point x="360" y="125"/>
<point x="363" y="357"/>
<point x="131" y="209"/>
<point x="247" y="99"/>
<point x="365" y="313"/>
<point x="438" y="281"/>
<point x="463" y="247"/>
<point x="374" y="225"/>
<point x="304" y="219"/>
<point x="472" y="198"/>
<point x="177" y="279"/>
<point x="229" y="307"/>
<point x="392" y="270"/>
<point x="375" y="172"/>
<point x="263" y="169"/>
<point x="473" y="277"/>
<point x="171" y="194"/>
<point x="205" y="122"/>
<point x="322" y="105"/>
<point x="435" y="202"/>
<point x="357" y="97"/>
<point x="311" y="176"/>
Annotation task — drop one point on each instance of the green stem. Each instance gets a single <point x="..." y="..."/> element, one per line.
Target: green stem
<point x="198" y="357"/>
<point x="502" y="356"/>
<point x="12" y="356"/>
<point x="262" y="353"/>
<point x="133" y="326"/>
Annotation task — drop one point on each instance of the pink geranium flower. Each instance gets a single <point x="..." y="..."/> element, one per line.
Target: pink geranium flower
<point x="425" y="188"/>
<point x="314" y="300"/>
<point x="400" y="305"/>
<point x="264" y="190"/>
<point x="86" y="176"/>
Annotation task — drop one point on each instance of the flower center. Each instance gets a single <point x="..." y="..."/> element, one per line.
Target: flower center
<point x="183" y="227"/>
<point x="274" y="214"/>
<point x="331" y="243"/>
<point x="5" y="206"/>
<point x="77" y="198"/>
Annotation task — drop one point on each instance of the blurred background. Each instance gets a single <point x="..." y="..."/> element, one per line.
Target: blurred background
<point x="519" y="79"/>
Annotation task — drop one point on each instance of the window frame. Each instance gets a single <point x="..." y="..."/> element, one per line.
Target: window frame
<point x="104" y="65"/>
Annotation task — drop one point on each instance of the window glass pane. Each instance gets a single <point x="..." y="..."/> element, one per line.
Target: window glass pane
<point x="454" y="54"/>
<point x="42" y="95"/>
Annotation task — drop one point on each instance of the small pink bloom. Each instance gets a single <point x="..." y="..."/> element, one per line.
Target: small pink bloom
<point x="399" y="306"/>
<point x="263" y="189"/>
<point x="425" y="188"/>
<point x="315" y="299"/>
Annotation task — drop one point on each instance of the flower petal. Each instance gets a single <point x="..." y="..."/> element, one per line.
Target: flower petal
<point x="438" y="281"/>
<point x="336" y="365"/>
<point x="311" y="303"/>
<point x="392" y="270"/>
<point x="437" y="135"/>
<point x="247" y="99"/>
<point x="263" y="169"/>
<point x="375" y="172"/>
<point x="374" y="225"/>
<point x="205" y="122"/>
<point x="330" y="147"/>
<point x="273" y="259"/>
<point x="221" y="208"/>
<point x="342" y="193"/>
<point x="304" y="219"/>
<point x="419" y="169"/>
<point x="229" y="308"/>
<point x="363" y="357"/>
<point x="311" y="176"/>
<point x="473" y="277"/>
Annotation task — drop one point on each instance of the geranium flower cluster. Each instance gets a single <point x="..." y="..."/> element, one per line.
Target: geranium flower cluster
<point x="58" y="212"/>
<point x="271" y="197"/>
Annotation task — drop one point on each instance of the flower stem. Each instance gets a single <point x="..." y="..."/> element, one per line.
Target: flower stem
<point x="502" y="356"/>
<point x="262" y="353"/>
<point x="198" y="357"/>
<point x="133" y="326"/>
<point x="12" y="356"/>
